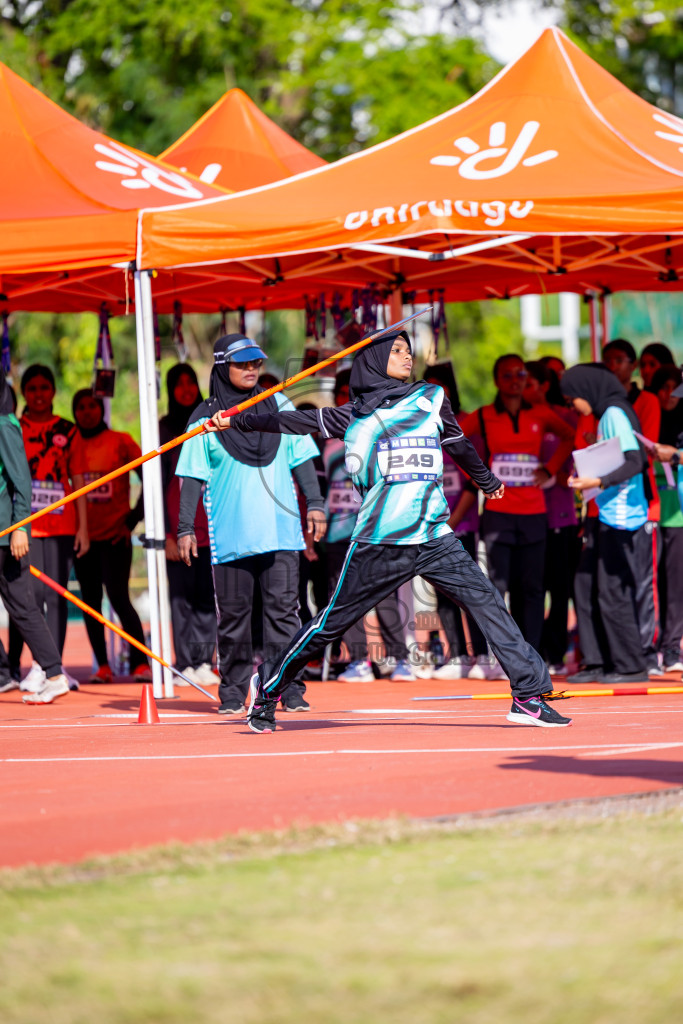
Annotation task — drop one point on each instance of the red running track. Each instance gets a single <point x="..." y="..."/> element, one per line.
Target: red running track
<point x="79" y="778"/>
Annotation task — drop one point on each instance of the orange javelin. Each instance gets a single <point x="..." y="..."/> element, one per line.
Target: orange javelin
<point x="201" y="430"/>
<point x="63" y="592"/>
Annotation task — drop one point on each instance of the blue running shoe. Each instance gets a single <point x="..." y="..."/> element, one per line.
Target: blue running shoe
<point x="403" y="673"/>
<point x="357" y="672"/>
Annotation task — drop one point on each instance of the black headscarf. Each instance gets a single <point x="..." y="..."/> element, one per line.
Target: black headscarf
<point x="251" y="449"/>
<point x="601" y="390"/>
<point x="7" y="400"/>
<point x="175" y="420"/>
<point x="370" y="386"/>
<point x="101" y="426"/>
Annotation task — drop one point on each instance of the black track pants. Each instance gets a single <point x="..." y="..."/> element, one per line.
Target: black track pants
<point x="276" y="573"/>
<point x="371" y="571"/>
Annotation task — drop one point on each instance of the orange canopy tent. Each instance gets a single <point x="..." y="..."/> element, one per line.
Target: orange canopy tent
<point x="69" y="198"/>
<point x="235" y="145"/>
<point x="554" y="177"/>
<point x="69" y="195"/>
<point x="234" y="135"/>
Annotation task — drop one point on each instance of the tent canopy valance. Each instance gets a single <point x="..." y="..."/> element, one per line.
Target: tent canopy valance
<point x="568" y="180"/>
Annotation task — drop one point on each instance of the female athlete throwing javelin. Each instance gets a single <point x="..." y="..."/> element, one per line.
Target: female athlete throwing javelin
<point x="393" y="432"/>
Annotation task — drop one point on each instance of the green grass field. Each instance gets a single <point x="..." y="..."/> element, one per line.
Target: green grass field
<point x="573" y="920"/>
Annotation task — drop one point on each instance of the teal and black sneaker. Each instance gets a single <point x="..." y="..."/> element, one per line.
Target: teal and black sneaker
<point x="535" y="711"/>
<point x="261" y="713"/>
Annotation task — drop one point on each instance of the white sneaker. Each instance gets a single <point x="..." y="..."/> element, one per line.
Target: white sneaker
<point x="559" y="669"/>
<point x="495" y="670"/>
<point x="205" y="674"/>
<point x="479" y="667"/>
<point x="190" y="673"/>
<point x="425" y="670"/>
<point x="486" y="667"/>
<point x="34" y="679"/>
<point x="73" y="683"/>
<point x="456" y="668"/>
<point x="52" y="689"/>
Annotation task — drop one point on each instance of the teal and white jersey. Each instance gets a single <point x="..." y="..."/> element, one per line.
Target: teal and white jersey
<point x="622" y="506"/>
<point x="251" y="509"/>
<point x="394" y="460"/>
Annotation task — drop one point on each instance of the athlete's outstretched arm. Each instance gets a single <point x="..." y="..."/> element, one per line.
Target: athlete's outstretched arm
<point x="330" y="422"/>
<point x="462" y="451"/>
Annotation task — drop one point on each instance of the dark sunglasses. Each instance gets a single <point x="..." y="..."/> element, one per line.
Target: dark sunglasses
<point x="249" y="364"/>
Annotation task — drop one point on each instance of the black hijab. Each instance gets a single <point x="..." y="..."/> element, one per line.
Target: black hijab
<point x="251" y="449"/>
<point x="601" y="390"/>
<point x="7" y="401"/>
<point x="370" y="386"/>
<point x="101" y="426"/>
<point x="175" y="420"/>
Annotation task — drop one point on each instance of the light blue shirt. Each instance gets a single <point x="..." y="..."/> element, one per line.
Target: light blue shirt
<point x="622" y="506"/>
<point x="251" y="509"/>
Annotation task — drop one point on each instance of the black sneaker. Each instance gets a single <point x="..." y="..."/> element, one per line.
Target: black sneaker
<point x="295" y="702"/>
<point x="233" y="706"/>
<point x="612" y="678"/>
<point x="588" y="674"/>
<point x="535" y="711"/>
<point x="261" y="714"/>
<point x="8" y="684"/>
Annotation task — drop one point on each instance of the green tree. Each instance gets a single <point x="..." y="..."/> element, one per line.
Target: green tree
<point x="335" y="74"/>
<point x="638" y="41"/>
<point x="479" y="332"/>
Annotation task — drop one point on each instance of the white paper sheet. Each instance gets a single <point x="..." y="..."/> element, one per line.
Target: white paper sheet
<point x="598" y="460"/>
<point x="649" y="448"/>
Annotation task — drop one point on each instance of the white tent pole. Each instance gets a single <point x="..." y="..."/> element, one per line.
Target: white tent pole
<point x="156" y="518"/>
<point x="148" y="476"/>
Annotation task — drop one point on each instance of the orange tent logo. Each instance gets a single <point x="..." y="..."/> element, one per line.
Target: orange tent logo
<point x="138" y="173"/>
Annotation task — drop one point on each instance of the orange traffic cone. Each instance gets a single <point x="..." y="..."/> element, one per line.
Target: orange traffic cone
<point x="148" y="714"/>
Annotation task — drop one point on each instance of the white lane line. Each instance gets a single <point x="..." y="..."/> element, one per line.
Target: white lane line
<point x="523" y="751"/>
<point x="638" y="749"/>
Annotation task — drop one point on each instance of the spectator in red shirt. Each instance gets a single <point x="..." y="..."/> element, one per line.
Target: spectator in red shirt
<point x="652" y="358"/>
<point x="96" y="451"/>
<point x="58" y="535"/>
<point x="515" y="533"/>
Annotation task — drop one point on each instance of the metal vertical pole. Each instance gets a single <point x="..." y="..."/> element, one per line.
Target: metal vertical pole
<point x="156" y="519"/>
<point x="595" y="340"/>
<point x="145" y="387"/>
<point x="605" y="311"/>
